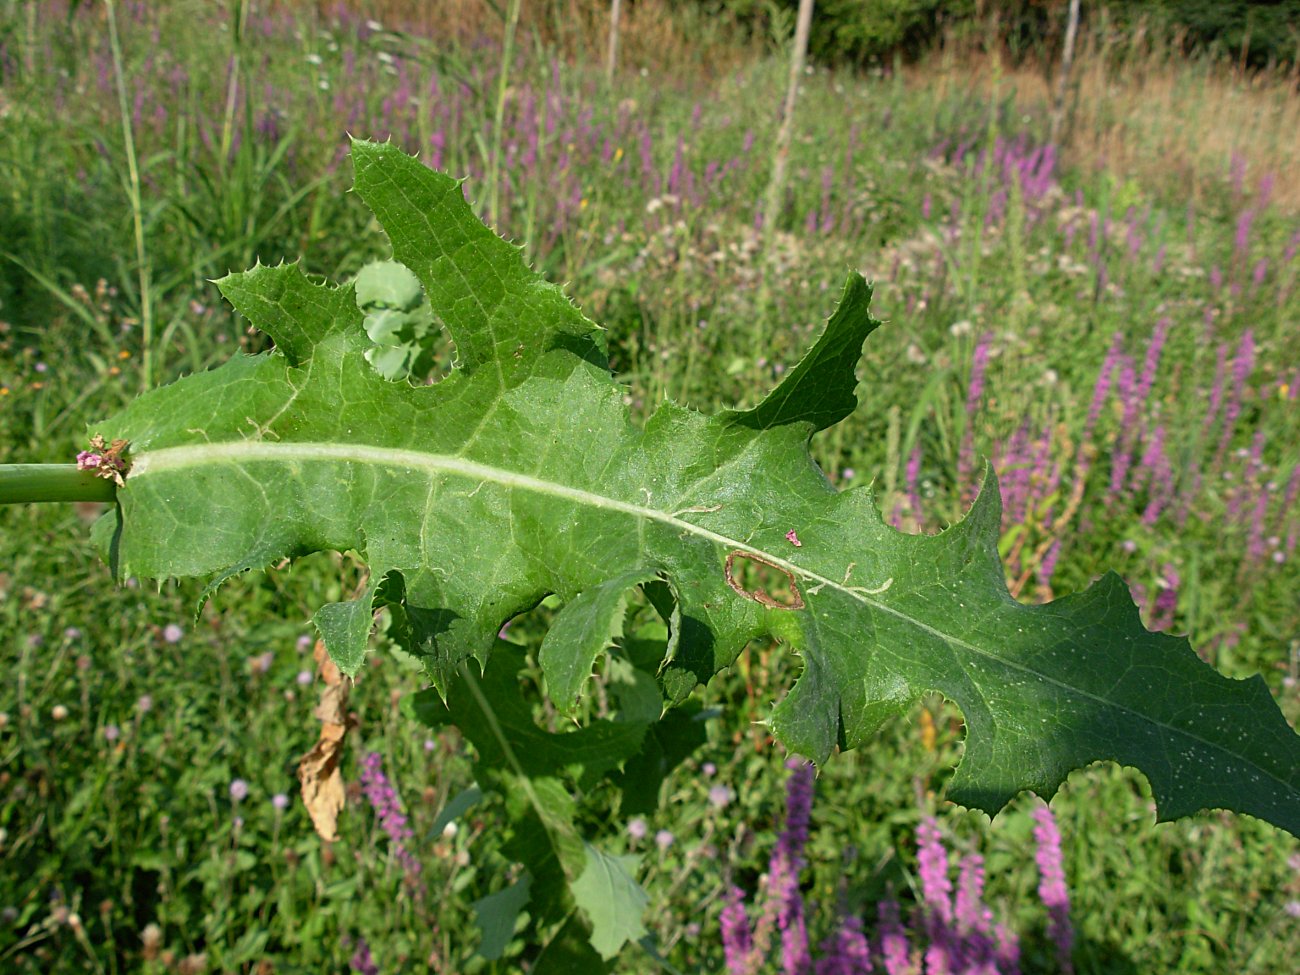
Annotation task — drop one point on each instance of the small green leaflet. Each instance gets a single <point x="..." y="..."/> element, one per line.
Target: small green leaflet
<point x="613" y="900"/>
<point x="520" y="475"/>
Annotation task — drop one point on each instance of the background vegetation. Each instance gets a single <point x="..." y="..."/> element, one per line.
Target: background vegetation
<point x="1252" y="33"/>
<point x="1110" y="320"/>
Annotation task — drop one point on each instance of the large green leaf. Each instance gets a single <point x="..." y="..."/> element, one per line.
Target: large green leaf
<point x="520" y="475"/>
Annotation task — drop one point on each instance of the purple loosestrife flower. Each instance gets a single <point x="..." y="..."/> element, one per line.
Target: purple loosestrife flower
<point x="1047" y="567"/>
<point x="1260" y="272"/>
<point x="1256" y="548"/>
<point x="936" y="893"/>
<point x="1216" y="390"/>
<point x="361" y="961"/>
<point x="1165" y="603"/>
<point x="1101" y="389"/>
<point x="1243" y="364"/>
<point x="384" y="800"/>
<point x="1241" y="242"/>
<point x="1288" y="498"/>
<point x="737" y="939"/>
<point x="846" y="952"/>
<point x="975" y="950"/>
<point x="1159" y="471"/>
<point x="1051" y="886"/>
<point x="787" y="861"/>
<point x="895" y="950"/>
<point x="912" y="477"/>
<point x="799" y="796"/>
<point x="1123" y="455"/>
<point x="1152" y="361"/>
<point x="1292" y="248"/>
<point x="1007" y="949"/>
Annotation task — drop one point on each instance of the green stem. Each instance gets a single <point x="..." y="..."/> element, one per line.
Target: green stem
<point x="137" y="208"/>
<point x="503" y="87"/>
<point x="23" y="483"/>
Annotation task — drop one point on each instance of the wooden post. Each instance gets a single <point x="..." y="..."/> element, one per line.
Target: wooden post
<point x="781" y="149"/>
<point x="611" y="62"/>
<point x="1063" y="81"/>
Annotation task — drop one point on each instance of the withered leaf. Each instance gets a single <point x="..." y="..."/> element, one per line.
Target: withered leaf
<point x="318" y="770"/>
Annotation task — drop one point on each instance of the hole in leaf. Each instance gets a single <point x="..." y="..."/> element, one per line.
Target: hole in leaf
<point x="763" y="581"/>
<point x="408" y="340"/>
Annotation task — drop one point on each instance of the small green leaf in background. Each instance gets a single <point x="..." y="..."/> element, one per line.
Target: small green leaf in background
<point x="460" y="804"/>
<point x="497" y="916"/>
<point x="612" y="899"/>
<point x="581" y="631"/>
<point x="398" y="321"/>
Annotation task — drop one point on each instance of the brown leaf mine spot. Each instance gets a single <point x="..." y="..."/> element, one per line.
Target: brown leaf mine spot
<point x="762" y="580"/>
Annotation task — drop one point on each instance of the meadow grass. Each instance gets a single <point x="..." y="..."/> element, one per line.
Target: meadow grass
<point x="1118" y="343"/>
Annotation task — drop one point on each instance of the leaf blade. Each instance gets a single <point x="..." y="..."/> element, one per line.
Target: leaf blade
<point x="521" y="475"/>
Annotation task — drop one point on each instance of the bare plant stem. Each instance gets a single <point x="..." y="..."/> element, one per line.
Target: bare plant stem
<point x="28" y="483"/>
<point x="498" y="120"/>
<point x="780" y="163"/>
<point x="137" y="210"/>
<point x="232" y="84"/>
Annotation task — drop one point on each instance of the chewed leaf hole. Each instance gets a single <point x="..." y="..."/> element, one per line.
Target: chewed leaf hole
<point x="763" y="581"/>
<point x="408" y="340"/>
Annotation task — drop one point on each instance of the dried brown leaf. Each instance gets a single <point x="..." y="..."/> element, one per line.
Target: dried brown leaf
<point x="318" y="771"/>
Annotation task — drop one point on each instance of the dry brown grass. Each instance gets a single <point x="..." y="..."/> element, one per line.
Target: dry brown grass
<point x="675" y="41"/>
<point x="1140" y="108"/>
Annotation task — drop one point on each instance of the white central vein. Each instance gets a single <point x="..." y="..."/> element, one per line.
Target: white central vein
<point x="260" y="451"/>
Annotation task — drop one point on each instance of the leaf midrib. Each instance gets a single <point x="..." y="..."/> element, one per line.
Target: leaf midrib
<point x="238" y="453"/>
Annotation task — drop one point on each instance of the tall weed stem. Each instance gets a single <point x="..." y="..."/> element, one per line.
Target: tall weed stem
<point x="137" y="210"/>
<point x="498" y="118"/>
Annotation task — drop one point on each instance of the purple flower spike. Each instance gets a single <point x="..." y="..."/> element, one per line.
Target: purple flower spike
<point x="362" y="962"/>
<point x="737" y="940"/>
<point x="384" y="800"/>
<point x="932" y="858"/>
<point x="1051" y="885"/>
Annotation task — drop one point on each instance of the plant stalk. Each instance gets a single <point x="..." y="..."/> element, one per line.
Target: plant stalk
<point x="27" y="483"/>
<point x="498" y="120"/>
<point x="137" y="209"/>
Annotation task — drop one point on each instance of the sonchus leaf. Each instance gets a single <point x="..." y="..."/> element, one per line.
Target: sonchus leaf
<point x="530" y="767"/>
<point x="520" y="475"/>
